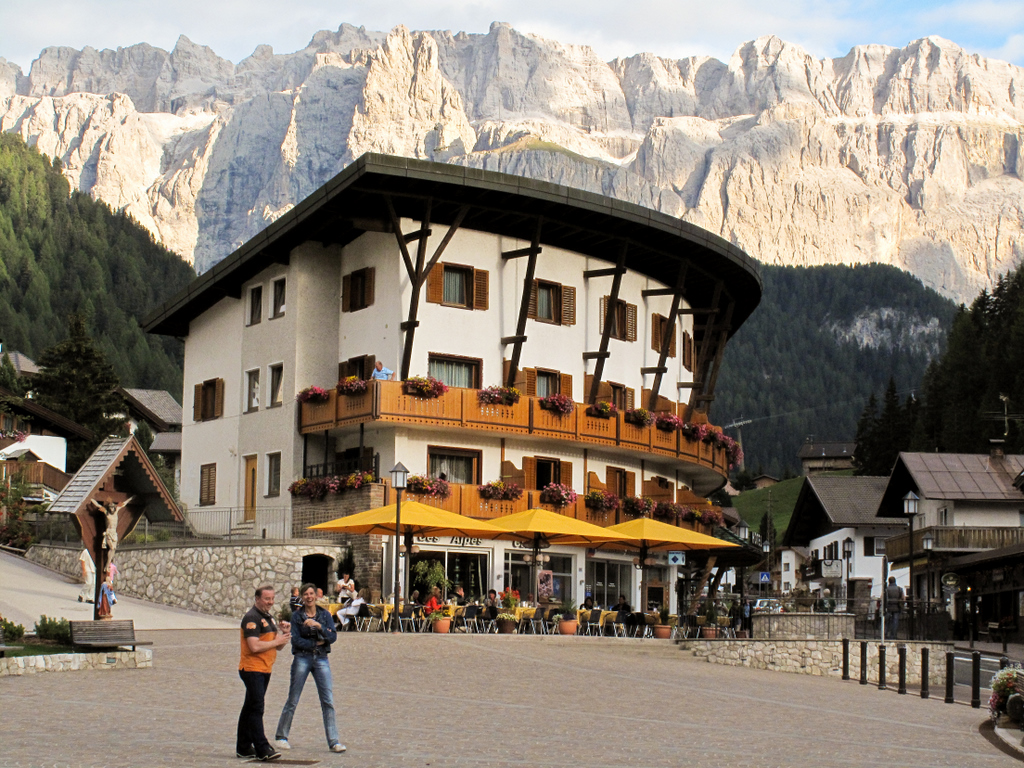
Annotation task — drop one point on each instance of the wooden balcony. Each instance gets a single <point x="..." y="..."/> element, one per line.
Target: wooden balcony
<point x="953" y="540"/>
<point x="35" y="473"/>
<point x="460" y="409"/>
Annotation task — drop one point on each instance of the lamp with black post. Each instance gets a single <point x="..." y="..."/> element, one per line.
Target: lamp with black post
<point x="743" y="531"/>
<point x="927" y="542"/>
<point x="910" y="502"/>
<point x="399" y="475"/>
<point x="766" y="547"/>
<point x="848" y="557"/>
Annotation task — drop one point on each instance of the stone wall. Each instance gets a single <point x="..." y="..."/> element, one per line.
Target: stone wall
<point x="802" y="626"/>
<point x="217" y="578"/>
<point x="824" y="657"/>
<point x="141" y="658"/>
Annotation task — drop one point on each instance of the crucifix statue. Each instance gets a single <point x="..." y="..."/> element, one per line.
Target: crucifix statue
<point x="110" y="510"/>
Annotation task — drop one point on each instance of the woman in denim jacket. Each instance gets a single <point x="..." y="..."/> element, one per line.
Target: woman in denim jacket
<point x="312" y="635"/>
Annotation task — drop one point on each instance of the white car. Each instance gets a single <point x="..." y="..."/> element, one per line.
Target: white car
<point x="767" y="605"/>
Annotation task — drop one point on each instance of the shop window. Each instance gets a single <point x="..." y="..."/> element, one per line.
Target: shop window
<point x="273" y="474"/>
<point x="658" y="323"/>
<point x="255" y="305"/>
<point x="207" y="485"/>
<point x="278" y="299"/>
<point x="456" y="285"/>
<point x="208" y="402"/>
<point x="357" y="290"/>
<point x="455" y="371"/>
<point x="276" y="386"/>
<point x="621" y="316"/>
<point x="606" y="580"/>
<point x="455" y="465"/>
<point x="252" y="391"/>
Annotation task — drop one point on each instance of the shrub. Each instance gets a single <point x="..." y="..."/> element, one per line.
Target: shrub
<point x="12" y="632"/>
<point x="499" y="490"/>
<point x="498" y="396"/>
<point x="56" y="630"/>
<point x="558" y="495"/>
<point x="351" y="385"/>
<point x="562" y="404"/>
<point x="424" y="386"/>
<point x="313" y="395"/>
<point x="603" y="501"/>
<point x="428" y="486"/>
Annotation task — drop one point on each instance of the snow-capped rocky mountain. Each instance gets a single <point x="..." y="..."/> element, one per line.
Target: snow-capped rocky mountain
<point x="911" y="157"/>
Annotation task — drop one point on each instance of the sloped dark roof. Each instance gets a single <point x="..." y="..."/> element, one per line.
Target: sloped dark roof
<point x="354" y="202"/>
<point x="41" y="415"/>
<point x="834" y="450"/>
<point x="953" y="477"/>
<point x="124" y="455"/>
<point x="157" y="406"/>
<point x="826" y="504"/>
<point x="23" y="364"/>
<point x="166" y="442"/>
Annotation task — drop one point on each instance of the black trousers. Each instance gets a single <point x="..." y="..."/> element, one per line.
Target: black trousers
<point x="250" y="720"/>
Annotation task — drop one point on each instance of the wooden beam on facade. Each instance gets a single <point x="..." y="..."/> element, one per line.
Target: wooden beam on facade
<point x="609" y="272"/>
<point x="417" y="283"/>
<point x="452" y="229"/>
<point x="606" y="330"/>
<point x="418" y="234"/>
<point x="512" y="339"/>
<point x="723" y="337"/>
<point x="667" y="332"/>
<point x="653" y="369"/>
<point x="396" y="228"/>
<point x="658" y="292"/>
<point x="698" y="311"/>
<point x="596" y="355"/>
<point x="520" y="252"/>
<point x="524" y="304"/>
<point x="700" y="369"/>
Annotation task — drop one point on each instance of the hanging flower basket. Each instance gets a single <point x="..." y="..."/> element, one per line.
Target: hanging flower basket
<point x="351" y="385"/>
<point x="313" y="395"/>
<point x="668" y="422"/>
<point x="704" y="515"/>
<point x="666" y="510"/>
<point x="499" y="490"/>
<point x="558" y="495"/>
<point x="424" y="386"/>
<point x="498" y="396"/>
<point x="602" y="501"/>
<point x="561" y="404"/>
<point x="428" y="486"/>
<point x="641" y="417"/>
<point x="638" y="506"/>
<point x="602" y="409"/>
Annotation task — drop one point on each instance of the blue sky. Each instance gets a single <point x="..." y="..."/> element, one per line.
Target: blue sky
<point x="674" y="28"/>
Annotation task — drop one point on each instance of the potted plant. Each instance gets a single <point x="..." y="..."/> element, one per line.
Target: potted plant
<point x="499" y="490"/>
<point x="662" y="631"/>
<point x="710" y="628"/>
<point x="428" y="486"/>
<point x="506" y="623"/>
<point x="602" y="409"/>
<point x="560" y="404"/>
<point x="351" y="385"/>
<point x="641" y="417"/>
<point x="313" y="395"/>
<point x="558" y="495"/>
<point x="498" y="396"/>
<point x="568" y="623"/>
<point x="638" y="506"/>
<point x="440" y="622"/>
<point x="424" y="386"/>
<point x="668" y="422"/>
<point x="602" y="501"/>
<point x="427" y="574"/>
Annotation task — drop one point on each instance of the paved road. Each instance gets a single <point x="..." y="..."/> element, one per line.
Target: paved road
<point x="435" y="700"/>
<point x="28" y="591"/>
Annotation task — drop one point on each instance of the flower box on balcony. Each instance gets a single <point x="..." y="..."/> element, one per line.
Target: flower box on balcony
<point x="602" y="410"/>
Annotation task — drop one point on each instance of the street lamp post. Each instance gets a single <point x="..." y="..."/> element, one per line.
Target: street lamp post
<point x="910" y="510"/>
<point x="399" y="475"/>
<point x="927" y="542"/>
<point x="743" y="531"/>
<point x="848" y="557"/>
<point x="766" y="547"/>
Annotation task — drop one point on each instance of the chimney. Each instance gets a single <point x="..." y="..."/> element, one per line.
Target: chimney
<point x="995" y="449"/>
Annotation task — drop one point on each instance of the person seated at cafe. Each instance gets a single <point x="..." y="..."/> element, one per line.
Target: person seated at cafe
<point x="622" y="605"/>
<point x="492" y="606"/>
<point x="414" y="598"/>
<point x="345" y="588"/>
<point x="433" y="602"/>
<point x="528" y="602"/>
<point x="295" y="602"/>
<point x="321" y="598"/>
<point x="345" y="617"/>
<point x="460" y="596"/>
<point x="588" y="604"/>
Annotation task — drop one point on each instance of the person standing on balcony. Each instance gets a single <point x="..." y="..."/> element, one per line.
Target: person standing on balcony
<point x="381" y="373"/>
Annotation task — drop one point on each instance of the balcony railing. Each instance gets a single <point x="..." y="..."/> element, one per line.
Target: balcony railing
<point x="953" y="540"/>
<point x="460" y="408"/>
<point x="35" y="473"/>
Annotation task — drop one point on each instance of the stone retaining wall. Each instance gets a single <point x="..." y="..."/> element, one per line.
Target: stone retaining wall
<point x="211" y="578"/>
<point x="141" y="658"/>
<point x="823" y="657"/>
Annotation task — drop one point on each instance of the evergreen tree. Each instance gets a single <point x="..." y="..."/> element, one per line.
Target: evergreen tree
<point x="866" y="450"/>
<point x="76" y="381"/>
<point x="9" y="376"/>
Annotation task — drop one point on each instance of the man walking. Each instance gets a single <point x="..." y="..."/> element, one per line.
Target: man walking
<point x="893" y="607"/>
<point x="260" y="640"/>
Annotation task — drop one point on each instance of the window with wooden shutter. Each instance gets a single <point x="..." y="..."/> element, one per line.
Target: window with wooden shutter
<point x="565" y="384"/>
<point x="531" y="305"/>
<point x="209" y="400"/>
<point x="530" y="382"/>
<point x="615" y="481"/>
<point x="207" y="485"/>
<point x="568" y="305"/>
<point x="622" y="317"/>
<point x="435" y="284"/>
<point x="630" y="322"/>
<point x="687" y="351"/>
<point x="565" y="473"/>
<point x="197" y="403"/>
<point x="357" y="289"/>
<point x="630" y="397"/>
<point x="218" y="407"/>
<point x="346" y="293"/>
<point x="658" y="323"/>
<point x="530" y="473"/>
<point x="481" y="280"/>
<point x="631" y="483"/>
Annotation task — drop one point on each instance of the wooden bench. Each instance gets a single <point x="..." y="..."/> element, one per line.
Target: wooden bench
<point x="5" y="648"/>
<point x="112" y="633"/>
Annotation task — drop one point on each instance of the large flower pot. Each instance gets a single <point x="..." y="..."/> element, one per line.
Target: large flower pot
<point x="506" y="627"/>
<point x="741" y="634"/>
<point x="709" y="633"/>
<point x="568" y="627"/>
<point x="662" y="631"/>
<point x="441" y="626"/>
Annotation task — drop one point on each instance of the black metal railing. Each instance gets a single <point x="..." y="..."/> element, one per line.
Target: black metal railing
<point x="915" y="620"/>
<point x="344" y="467"/>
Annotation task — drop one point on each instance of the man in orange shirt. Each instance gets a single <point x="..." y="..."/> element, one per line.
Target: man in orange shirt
<point x="260" y="640"/>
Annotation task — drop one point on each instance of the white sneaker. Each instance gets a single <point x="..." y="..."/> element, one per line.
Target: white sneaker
<point x="338" y="748"/>
<point x="283" y="744"/>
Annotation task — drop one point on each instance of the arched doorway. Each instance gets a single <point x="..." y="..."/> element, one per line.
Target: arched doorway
<point x="316" y="569"/>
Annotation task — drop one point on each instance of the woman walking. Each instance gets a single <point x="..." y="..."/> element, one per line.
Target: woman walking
<point x="312" y="635"/>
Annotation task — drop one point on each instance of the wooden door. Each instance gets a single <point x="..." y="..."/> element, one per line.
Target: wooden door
<point x="250" y="488"/>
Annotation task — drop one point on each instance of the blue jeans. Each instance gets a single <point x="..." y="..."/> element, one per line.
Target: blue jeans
<point x="319" y="664"/>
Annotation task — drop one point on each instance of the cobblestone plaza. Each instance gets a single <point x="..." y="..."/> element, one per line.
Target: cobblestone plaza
<point x="435" y="700"/>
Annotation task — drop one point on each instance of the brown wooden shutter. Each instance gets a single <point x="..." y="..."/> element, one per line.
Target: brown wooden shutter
<point x="565" y="384"/>
<point x="218" y="407"/>
<point x="568" y="305"/>
<point x="530" y="473"/>
<point x="481" y="280"/>
<point x="531" y="382"/>
<point x="687" y="351"/>
<point x="604" y="391"/>
<point x="506" y="364"/>
<point x="435" y="284"/>
<point x="631" y="483"/>
<point x="197" y="404"/>
<point x="370" y="273"/>
<point x="588" y="382"/>
<point x="346" y="293"/>
<point x="656" y="332"/>
<point x="672" y="343"/>
<point x="630" y="397"/>
<point x="368" y="364"/>
<point x="531" y="306"/>
<point x="565" y="473"/>
<point x="631" y="322"/>
<point x="510" y="473"/>
<point x="602" y="314"/>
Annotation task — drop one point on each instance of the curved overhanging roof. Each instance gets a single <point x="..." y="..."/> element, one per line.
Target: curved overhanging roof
<point x="354" y="202"/>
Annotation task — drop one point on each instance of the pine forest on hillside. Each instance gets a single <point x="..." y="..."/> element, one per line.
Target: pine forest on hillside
<point x="62" y="252"/>
<point x="821" y="342"/>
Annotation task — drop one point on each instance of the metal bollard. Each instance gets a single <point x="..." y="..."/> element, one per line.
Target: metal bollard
<point x="902" y="687"/>
<point x="863" y="662"/>
<point x="881" y="666"/>
<point x="950" y="679"/>
<point x="925" y="673"/>
<point x="976" y="679"/>
<point x="846" y="658"/>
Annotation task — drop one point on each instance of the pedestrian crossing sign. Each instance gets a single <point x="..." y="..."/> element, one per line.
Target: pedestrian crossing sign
<point x="677" y="558"/>
<point x="766" y="578"/>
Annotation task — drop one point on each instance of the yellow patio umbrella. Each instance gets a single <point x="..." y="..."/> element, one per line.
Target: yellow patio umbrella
<point x="418" y="519"/>
<point x="542" y="527"/>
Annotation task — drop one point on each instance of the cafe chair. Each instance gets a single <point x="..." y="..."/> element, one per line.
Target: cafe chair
<point x="620" y="627"/>
<point x="467" y="619"/>
<point x="365" y="618"/>
<point x="537" y="624"/>
<point x="593" y="622"/>
<point x="409" y="617"/>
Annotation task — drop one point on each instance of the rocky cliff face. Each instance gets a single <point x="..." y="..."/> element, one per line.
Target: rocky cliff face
<point x="910" y="157"/>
